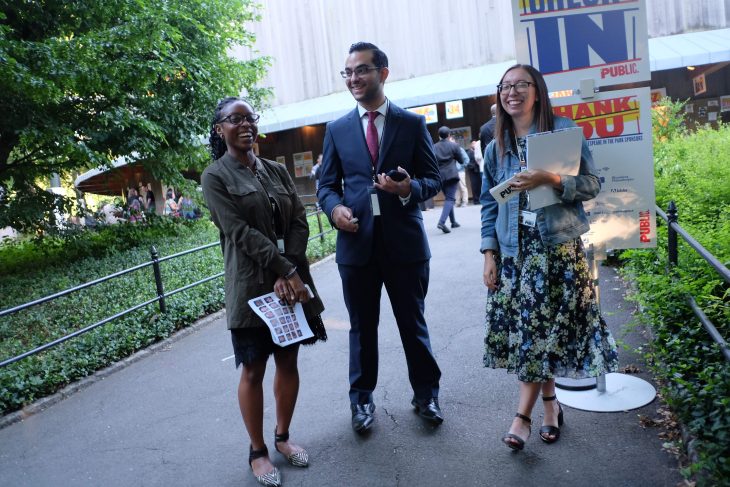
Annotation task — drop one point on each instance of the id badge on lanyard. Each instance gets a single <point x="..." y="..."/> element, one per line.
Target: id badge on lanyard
<point x="527" y="218"/>
<point x="374" y="202"/>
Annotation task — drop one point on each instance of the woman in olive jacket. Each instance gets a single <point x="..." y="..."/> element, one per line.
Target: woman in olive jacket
<point x="263" y="232"/>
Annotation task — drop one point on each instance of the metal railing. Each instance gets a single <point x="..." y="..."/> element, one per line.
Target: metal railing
<point x="674" y="229"/>
<point x="154" y="262"/>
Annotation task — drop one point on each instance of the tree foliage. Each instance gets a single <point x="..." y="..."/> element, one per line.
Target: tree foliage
<point x="83" y="82"/>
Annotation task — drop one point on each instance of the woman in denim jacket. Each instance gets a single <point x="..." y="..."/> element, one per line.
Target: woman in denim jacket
<point x="542" y="317"/>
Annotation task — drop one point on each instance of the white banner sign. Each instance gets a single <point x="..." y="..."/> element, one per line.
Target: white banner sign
<point x="617" y="125"/>
<point x="572" y="40"/>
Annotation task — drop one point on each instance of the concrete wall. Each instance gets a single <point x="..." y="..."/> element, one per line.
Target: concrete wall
<point x="309" y="39"/>
<point x="667" y="17"/>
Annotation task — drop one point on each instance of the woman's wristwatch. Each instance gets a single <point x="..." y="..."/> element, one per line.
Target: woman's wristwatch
<point x="291" y="273"/>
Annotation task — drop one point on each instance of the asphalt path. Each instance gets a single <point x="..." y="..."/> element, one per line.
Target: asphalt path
<point x="170" y="417"/>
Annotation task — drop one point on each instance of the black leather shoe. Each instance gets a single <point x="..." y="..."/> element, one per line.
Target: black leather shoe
<point x="429" y="410"/>
<point x="455" y="225"/>
<point x="443" y="228"/>
<point x="362" y="416"/>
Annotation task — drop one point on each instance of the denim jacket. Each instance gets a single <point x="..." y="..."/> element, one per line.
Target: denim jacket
<point x="557" y="223"/>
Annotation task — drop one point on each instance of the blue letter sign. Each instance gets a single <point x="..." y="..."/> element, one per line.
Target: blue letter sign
<point x="570" y="40"/>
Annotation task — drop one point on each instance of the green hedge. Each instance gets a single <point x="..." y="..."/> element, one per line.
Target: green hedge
<point x="692" y="169"/>
<point x="33" y="269"/>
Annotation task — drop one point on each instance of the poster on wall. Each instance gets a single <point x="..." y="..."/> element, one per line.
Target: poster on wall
<point x="462" y="136"/>
<point x="698" y="84"/>
<point x="568" y="41"/>
<point x="428" y="111"/>
<point x="617" y="126"/>
<point x="303" y="162"/>
<point x="725" y="103"/>
<point x="454" y="109"/>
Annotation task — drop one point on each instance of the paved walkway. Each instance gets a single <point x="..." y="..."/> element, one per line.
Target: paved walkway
<point x="172" y="417"/>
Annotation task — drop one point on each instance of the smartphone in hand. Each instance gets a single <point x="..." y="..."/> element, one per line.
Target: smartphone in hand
<point x="396" y="175"/>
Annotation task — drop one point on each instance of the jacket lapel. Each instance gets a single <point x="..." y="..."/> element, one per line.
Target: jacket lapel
<point x="360" y="144"/>
<point x="392" y="124"/>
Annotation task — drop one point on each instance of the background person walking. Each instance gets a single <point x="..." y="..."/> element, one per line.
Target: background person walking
<point x="449" y="156"/>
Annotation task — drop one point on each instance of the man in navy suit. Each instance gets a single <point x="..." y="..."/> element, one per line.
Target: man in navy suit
<point x="381" y="238"/>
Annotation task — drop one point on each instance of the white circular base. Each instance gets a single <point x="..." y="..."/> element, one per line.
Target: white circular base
<point x="623" y="392"/>
<point x="575" y="384"/>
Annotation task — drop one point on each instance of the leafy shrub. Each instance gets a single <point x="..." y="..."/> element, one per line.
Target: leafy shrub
<point x="45" y="270"/>
<point x="694" y="373"/>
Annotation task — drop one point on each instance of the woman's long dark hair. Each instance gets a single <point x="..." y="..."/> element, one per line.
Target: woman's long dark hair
<point x="217" y="144"/>
<point x="542" y="110"/>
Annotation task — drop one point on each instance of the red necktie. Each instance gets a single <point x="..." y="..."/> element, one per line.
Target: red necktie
<point x="372" y="137"/>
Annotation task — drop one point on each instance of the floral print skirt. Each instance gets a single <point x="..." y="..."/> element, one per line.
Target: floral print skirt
<point x="543" y="320"/>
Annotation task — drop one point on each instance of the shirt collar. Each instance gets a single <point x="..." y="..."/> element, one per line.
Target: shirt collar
<point x="236" y="164"/>
<point x="382" y="109"/>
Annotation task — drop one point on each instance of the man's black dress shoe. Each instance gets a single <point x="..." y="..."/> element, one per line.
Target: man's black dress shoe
<point x="443" y="228"/>
<point x="362" y="416"/>
<point x="429" y="410"/>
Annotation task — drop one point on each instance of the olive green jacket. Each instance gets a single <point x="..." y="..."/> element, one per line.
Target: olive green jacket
<point x="240" y="207"/>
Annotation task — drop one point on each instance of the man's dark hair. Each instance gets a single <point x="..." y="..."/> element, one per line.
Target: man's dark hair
<point x="380" y="60"/>
<point x="444" y="132"/>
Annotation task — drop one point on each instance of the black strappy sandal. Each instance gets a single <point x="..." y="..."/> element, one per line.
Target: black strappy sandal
<point x="297" y="459"/>
<point x="520" y="443"/>
<point x="269" y="479"/>
<point x="552" y="430"/>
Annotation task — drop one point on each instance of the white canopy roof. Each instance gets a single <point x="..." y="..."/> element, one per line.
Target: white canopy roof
<point x="693" y="49"/>
<point x="668" y="52"/>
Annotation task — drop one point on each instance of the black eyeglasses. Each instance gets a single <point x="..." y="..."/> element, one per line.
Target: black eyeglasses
<point x="359" y="71"/>
<point x="520" y="87"/>
<point x="237" y="119"/>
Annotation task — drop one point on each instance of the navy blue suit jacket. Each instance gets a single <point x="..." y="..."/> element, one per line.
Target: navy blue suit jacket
<point x="405" y="143"/>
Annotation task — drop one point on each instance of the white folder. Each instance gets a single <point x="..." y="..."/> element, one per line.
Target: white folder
<point x="557" y="152"/>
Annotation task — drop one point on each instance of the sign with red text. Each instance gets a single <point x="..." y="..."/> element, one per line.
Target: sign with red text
<point x="656" y="95"/>
<point x="617" y="126"/>
<point x="572" y="40"/>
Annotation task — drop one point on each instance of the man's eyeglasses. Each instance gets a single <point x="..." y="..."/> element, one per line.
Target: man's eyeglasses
<point x="520" y="87"/>
<point x="359" y="71"/>
<point x="237" y="119"/>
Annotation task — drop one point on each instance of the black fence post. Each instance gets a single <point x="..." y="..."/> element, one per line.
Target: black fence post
<point x="158" y="278"/>
<point x="321" y="234"/>
<point x="672" y="233"/>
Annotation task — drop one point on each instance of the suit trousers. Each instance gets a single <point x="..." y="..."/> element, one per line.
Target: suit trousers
<point x="406" y="285"/>
<point x="449" y="189"/>
<point x="475" y="178"/>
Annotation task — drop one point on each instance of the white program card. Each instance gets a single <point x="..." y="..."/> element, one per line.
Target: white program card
<point x="287" y="324"/>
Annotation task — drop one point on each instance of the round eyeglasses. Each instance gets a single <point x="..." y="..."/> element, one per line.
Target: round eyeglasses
<point x="238" y="119"/>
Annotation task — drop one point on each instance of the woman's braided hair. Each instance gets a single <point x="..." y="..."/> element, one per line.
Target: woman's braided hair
<point x="217" y="144"/>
